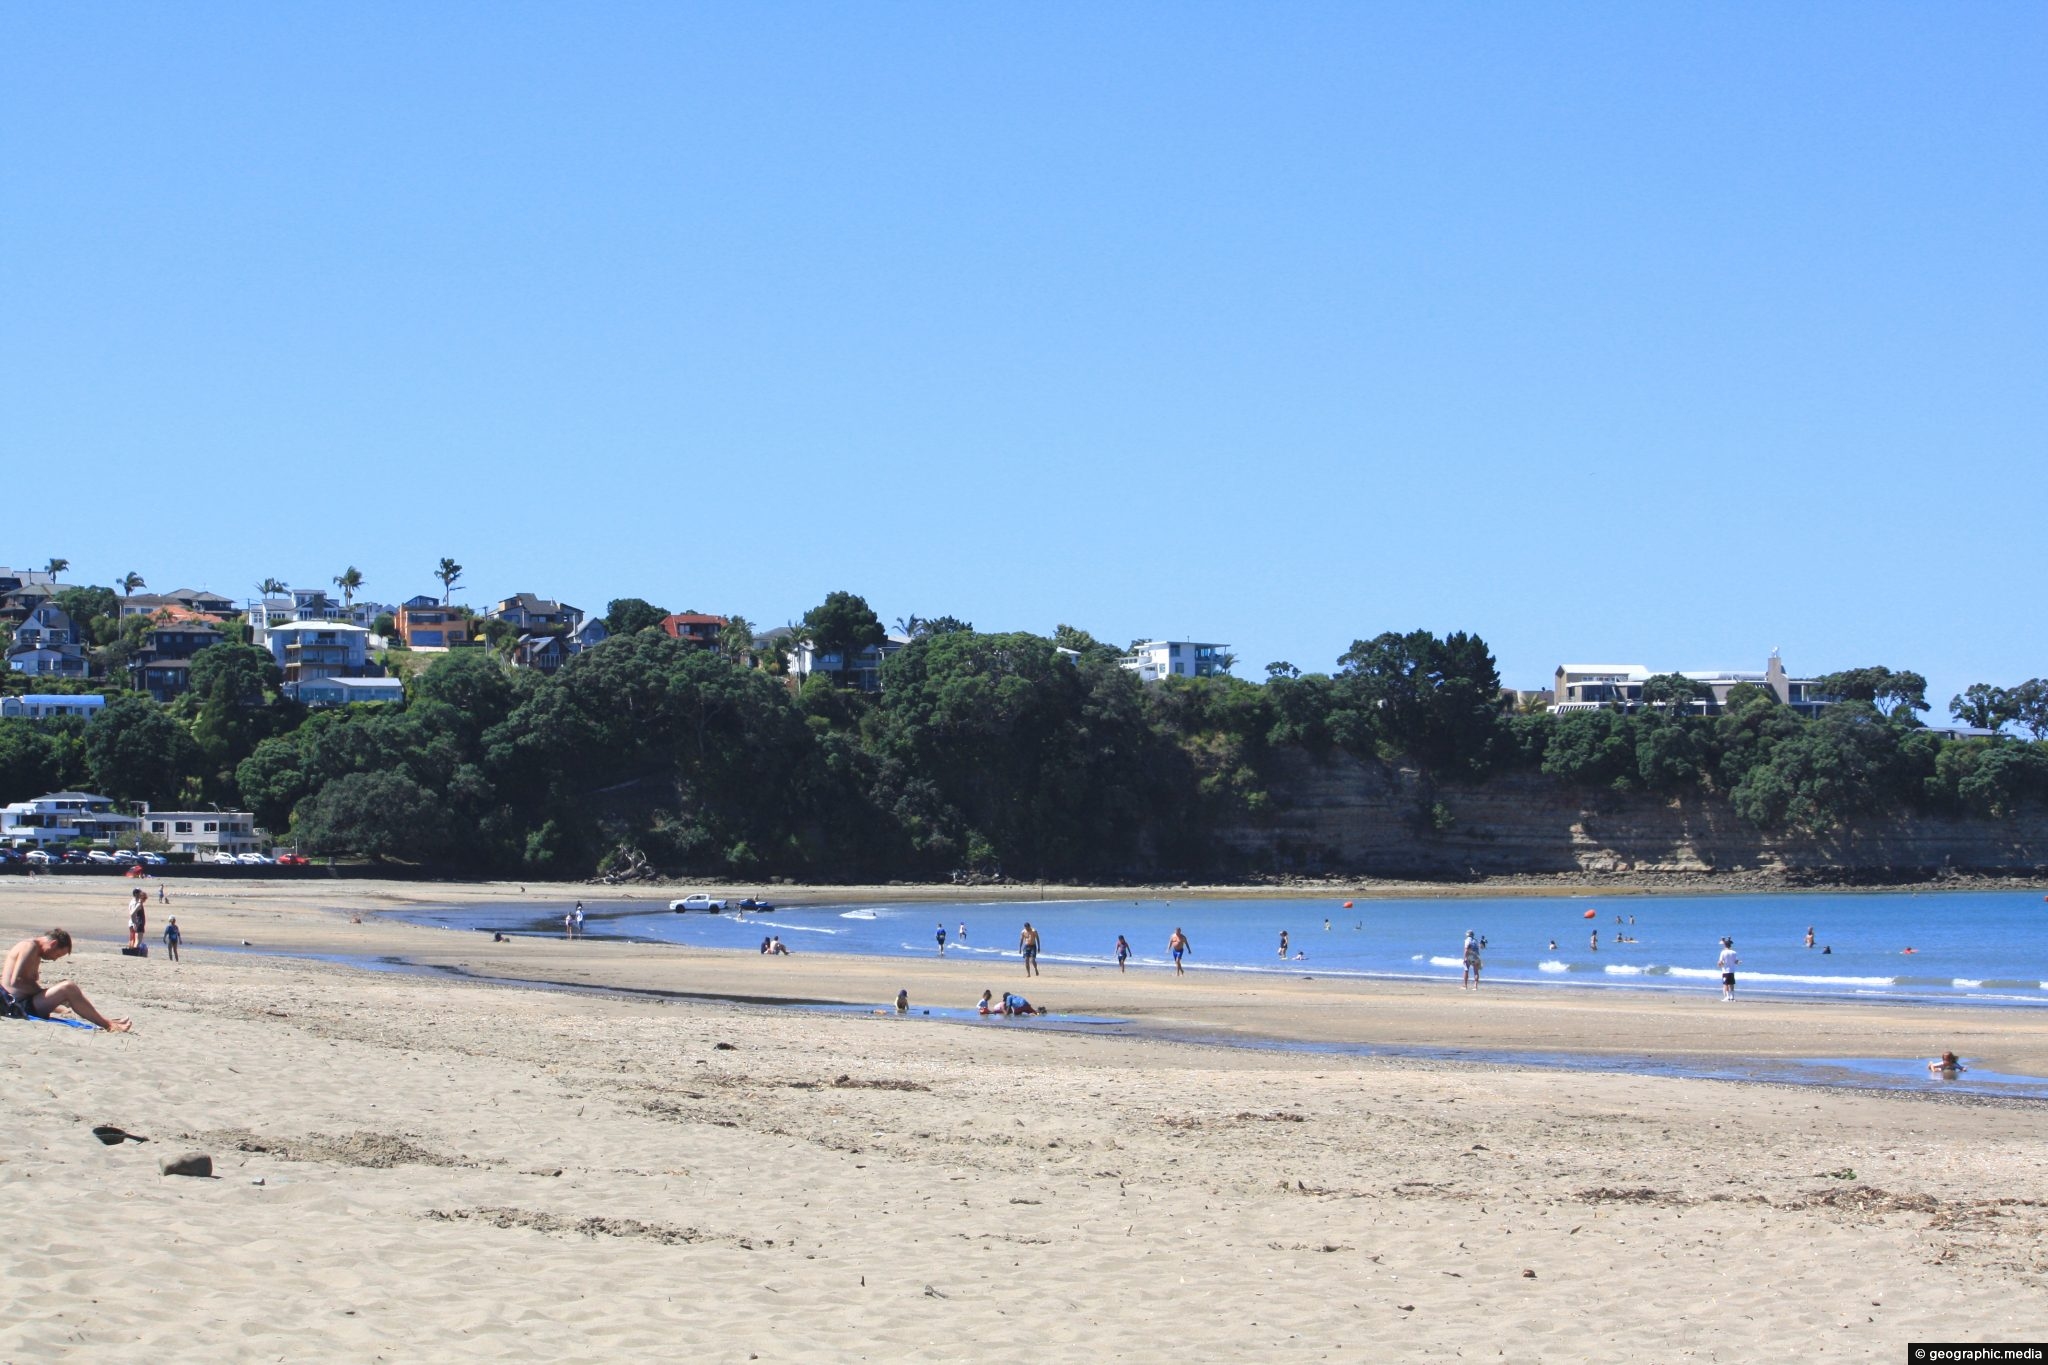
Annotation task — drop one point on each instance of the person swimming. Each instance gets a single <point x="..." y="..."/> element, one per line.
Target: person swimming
<point x="1947" y="1064"/>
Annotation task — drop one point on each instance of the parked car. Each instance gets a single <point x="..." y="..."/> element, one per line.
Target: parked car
<point x="75" y="855"/>
<point x="8" y="855"/>
<point x="698" y="901"/>
<point x="38" y="857"/>
<point x="230" y="859"/>
<point x="252" y="859"/>
<point x="291" y="860"/>
<point x="99" y="856"/>
<point x="127" y="857"/>
<point x="153" y="859"/>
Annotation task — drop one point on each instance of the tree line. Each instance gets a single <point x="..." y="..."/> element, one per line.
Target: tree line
<point x="1036" y="755"/>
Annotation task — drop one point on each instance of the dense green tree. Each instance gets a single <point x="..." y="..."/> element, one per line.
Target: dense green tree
<point x="843" y="625"/>
<point x="38" y="757"/>
<point x="380" y="814"/>
<point x="1675" y="691"/>
<point x="95" y="612"/>
<point x="1436" y="699"/>
<point x="624" y="615"/>
<point x="136" y="751"/>
<point x="1985" y="707"/>
<point x="2030" y="706"/>
<point x="1892" y="694"/>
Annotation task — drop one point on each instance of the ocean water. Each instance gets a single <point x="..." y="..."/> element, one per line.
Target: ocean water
<point x="1974" y="947"/>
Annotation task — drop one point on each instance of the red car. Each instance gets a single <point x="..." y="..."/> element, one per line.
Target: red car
<point x="291" y="860"/>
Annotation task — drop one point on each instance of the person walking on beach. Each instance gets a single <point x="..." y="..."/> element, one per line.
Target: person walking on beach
<point x="1471" y="982"/>
<point x="578" y="914"/>
<point x="138" y="919"/>
<point x="942" y="938"/>
<point x="21" y="987"/>
<point x="1028" y="942"/>
<point x="173" y="936"/>
<point x="1123" y="952"/>
<point x="1727" y="962"/>
<point x="1178" y="945"/>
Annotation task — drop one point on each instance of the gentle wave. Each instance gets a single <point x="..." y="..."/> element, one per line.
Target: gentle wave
<point x="1447" y="962"/>
<point x="1964" y="983"/>
<point x="856" y="914"/>
<point x="1553" y="966"/>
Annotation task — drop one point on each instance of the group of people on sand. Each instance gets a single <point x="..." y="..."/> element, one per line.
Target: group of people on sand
<point x="572" y="923"/>
<point x="773" y="946"/>
<point x="1010" y="1004"/>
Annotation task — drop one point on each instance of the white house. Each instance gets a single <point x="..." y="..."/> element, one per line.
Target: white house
<point x="865" y="672"/>
<point x="38" y="706"/>
<point x="61" y="817"/>
<point x="346" y="691"/>
<point x="1156" y="659"/>
<point x="205" y="831"/>
<point x="307" y="604"/>
<point x="48" y="644"/>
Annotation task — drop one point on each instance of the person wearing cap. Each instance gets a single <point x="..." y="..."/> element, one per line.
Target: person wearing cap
<point x="1727" y="962"/>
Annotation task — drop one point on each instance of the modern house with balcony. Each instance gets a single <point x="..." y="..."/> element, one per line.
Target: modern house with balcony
<point x="309" y="650"/>
<point x="533" y="615"/>
<point x="1156" y="659"/>
<point x="48" y="644"/>
<point x="864" y="671"/>
<point x="307" y="604"/>
<point x="1619" y="687"/>
<point x="693" y="628"/>
<point x="62" y="818"/>
<point x="424" y="623"/>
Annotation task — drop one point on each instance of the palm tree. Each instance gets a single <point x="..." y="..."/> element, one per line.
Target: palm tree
<point x="910" y="627"/>
<point x="348" y="580"/>
<point x="271" y="587"/>
<point x="56" y="566"/>
<point x="130" y="582"/>
<point x="448" y="573"/>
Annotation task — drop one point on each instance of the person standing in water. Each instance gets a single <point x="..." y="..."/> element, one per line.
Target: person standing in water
<point x="942" y="938"/>
<point x="1809" y="935"/>
<point x="1283" y="943"/>
<point x="1593" y="943"/>
<point x="1727" y="962"/>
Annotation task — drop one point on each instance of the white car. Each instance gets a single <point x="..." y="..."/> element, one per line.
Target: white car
<point x="100" y="856"/>
<point x="230" y="859"/>
<point x="699" y="901"/>
<point x="36" y="855"/>
<point x="252" y="859"/>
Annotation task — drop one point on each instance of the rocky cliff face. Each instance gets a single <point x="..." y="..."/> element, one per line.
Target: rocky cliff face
<point x="1343" y="815"/>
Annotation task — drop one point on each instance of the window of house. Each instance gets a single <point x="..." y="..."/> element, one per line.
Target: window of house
<point x="211" y="827"/>
<point x="183" y="827"/>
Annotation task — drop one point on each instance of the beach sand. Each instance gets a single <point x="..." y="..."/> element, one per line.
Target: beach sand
<point x="452" y="1168"/>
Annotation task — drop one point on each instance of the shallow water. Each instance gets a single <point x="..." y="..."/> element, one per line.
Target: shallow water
<point x="1968" y="947"/>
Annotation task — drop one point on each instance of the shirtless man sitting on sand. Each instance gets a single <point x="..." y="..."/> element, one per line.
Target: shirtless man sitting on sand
<point x="19" y="979"/>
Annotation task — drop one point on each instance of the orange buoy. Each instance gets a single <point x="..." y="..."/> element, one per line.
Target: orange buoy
<point x="1588" y="915"/>
<point x="1347" y="904"/>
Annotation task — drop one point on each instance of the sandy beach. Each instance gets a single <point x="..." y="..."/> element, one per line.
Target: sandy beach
<point x="437" y="1165"/>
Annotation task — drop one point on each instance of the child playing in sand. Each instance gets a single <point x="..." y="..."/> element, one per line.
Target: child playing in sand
<point x="1947" y="1064"/>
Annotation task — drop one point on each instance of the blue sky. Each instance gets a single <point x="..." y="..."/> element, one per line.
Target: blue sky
<point x="1648" y="333"/>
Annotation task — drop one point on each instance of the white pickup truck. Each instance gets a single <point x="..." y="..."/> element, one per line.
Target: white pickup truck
<point x="699" y="901"/>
